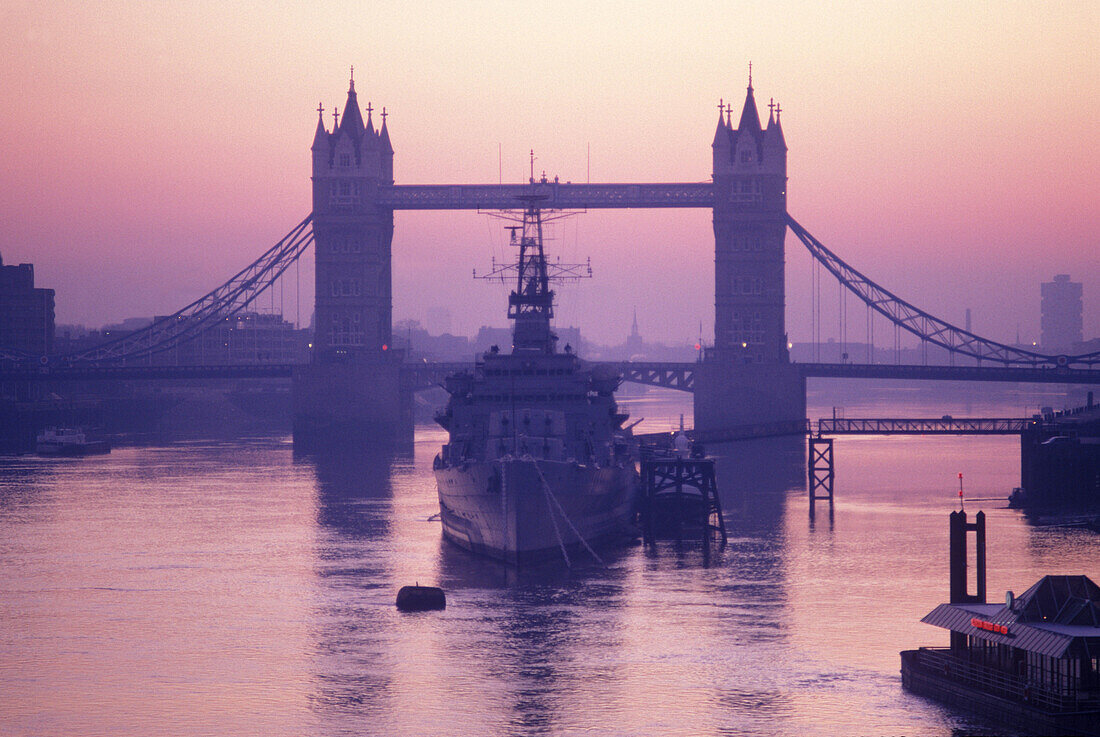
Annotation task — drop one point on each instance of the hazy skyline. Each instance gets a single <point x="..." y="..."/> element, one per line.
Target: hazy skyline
<point x="949" y="151"/>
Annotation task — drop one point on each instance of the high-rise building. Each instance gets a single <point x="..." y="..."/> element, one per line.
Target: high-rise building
<point x="750" y="193"/>
<point x="1062" y="323"/>
<point x="26" y="312"/>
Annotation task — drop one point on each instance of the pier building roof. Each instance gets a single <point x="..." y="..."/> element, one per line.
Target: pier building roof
<point x="1059" y="616"/>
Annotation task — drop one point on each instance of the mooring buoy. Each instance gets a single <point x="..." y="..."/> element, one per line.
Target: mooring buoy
<point x="420" y="598"/>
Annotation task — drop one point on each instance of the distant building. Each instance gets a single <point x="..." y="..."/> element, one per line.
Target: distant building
<point x="1062" y="324"/>
<point x="243" y="338"/>
<point x="438" y="320"/>
<point x="570" y="336"/>
<point x="488" y="337"/>
<point x="26" y="312"/>
<point x="410" y="336"/>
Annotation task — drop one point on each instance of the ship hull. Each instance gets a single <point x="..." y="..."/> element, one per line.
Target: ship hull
<point x="520" y="513"/>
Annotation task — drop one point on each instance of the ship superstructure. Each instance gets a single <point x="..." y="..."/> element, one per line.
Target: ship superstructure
<point x="536" y="465"/>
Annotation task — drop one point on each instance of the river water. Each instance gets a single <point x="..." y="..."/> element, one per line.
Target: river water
<point x="238" y="588"/>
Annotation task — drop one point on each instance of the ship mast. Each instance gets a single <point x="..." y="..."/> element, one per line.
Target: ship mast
<point x="531" y="304"/>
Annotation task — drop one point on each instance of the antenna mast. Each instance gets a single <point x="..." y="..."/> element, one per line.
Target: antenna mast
<point x="531" y="303"/>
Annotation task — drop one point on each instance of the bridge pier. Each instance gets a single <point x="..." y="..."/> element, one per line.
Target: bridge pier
<point x="354" y="400"/>
<point x="729" y="394"/>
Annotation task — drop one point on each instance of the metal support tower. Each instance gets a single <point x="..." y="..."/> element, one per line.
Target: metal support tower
<point x="821" y="472"/>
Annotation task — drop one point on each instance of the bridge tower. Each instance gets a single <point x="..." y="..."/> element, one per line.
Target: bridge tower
<point x="747" y="377"/>
<point x="352" y="382"/>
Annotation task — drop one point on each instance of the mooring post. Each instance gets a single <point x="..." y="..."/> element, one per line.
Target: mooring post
<point x="648" y="505"/>
<point x="958" y="578"/>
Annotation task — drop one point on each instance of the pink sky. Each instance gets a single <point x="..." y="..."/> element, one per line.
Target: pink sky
<point x="950" y="151"/>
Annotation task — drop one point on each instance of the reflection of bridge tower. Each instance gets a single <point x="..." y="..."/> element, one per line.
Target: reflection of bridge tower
<point x="747" y="376"/>
<point x="353" y="377"/>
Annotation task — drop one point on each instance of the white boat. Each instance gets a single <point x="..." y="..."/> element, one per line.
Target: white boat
<point x="64" y="441"/>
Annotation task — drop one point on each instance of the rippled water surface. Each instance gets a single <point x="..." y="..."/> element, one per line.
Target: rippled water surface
<point x="239" y="588"/>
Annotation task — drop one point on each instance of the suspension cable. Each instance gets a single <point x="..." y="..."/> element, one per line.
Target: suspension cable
<point x="219" y="305"/>
<point x="904" y="315"/>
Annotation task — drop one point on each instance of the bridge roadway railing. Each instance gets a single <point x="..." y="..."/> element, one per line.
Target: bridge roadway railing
<point x="923" y="426"/>
<point x="855" y="426"/>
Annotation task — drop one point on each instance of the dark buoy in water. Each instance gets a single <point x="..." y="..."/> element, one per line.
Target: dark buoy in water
<point x="420" y="598"/>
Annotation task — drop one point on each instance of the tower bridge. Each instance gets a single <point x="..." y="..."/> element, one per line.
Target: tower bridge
<point x="354" y="380"/>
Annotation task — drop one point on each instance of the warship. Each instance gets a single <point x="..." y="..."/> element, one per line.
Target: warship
<point x="537" y="465"/>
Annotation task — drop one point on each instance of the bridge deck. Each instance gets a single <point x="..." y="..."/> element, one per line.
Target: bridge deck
<point x="668" y="374"/>
<point x="144" y="373"/>
<point x="555" y="195"/>
<point x="1021" y="374"/>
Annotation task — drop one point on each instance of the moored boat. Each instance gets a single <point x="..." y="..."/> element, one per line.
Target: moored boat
<point x="65" y="441"/>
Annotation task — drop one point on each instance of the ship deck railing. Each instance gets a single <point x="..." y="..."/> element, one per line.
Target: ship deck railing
<point x="999" y="683"/>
